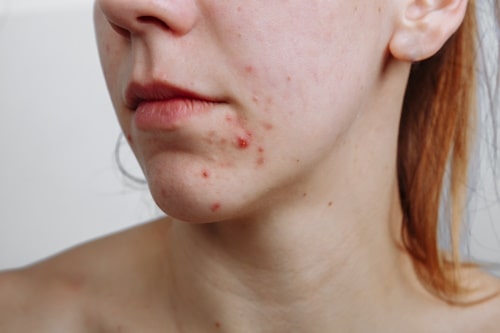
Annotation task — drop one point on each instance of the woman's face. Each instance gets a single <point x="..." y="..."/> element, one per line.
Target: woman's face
<point x="229" y="104"/>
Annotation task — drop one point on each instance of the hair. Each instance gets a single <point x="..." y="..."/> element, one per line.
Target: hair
<point x="437" y="126"/>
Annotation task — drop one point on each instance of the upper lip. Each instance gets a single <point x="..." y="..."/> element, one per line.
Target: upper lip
<point x="138" y="92"/>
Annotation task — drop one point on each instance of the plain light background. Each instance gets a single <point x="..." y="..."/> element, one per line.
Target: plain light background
<point x="59" y="184"/>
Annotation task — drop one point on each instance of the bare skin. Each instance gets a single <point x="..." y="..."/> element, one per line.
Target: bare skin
<point x="283" y="191"/>
<point x="122" y="283"/>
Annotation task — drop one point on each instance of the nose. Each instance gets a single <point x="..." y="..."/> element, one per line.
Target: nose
<point x="136" y="17"/>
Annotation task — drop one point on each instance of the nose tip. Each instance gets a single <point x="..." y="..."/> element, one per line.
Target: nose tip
<point x="130" y="17"/>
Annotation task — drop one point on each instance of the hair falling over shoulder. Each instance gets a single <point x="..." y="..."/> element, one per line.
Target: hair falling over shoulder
<point x="437" y="132"/>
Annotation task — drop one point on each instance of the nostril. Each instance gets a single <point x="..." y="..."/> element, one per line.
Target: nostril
<point x="153" y="21"/>
<point x="121" y="31"/>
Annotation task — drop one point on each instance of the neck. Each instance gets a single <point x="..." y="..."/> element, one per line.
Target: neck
<point x="323" y="256"/>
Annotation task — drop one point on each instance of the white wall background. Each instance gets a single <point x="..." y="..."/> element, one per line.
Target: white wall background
<point x="59" y="185"/>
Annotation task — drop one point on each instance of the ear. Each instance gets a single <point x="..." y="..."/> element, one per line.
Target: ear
<point x="424" y="26"/>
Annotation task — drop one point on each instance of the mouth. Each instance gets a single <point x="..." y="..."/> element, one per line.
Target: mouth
<point x="158" y="106"/>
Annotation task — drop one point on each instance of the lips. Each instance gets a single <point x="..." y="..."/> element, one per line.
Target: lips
<point x="159" y="106"/>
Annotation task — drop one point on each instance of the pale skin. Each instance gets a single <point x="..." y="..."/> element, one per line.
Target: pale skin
<point x="283" y="197"/>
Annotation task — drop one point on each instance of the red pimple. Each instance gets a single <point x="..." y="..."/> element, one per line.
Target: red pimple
<point x="242" y="143"/>
<point x="229" y="119"/>
<point x="260" y="161"/>
<point x="261" y="150"/>
<point x="129" y="139"/>
<point x="205" y="174"/>
<point x="215" y="207"/>
<point x="249" y="69"/>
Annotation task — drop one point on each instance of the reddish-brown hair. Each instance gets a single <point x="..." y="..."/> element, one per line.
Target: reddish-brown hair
<point x="438" y="120"/>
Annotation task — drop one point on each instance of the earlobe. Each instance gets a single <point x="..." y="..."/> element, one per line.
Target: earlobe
<point x="424" y="26"/>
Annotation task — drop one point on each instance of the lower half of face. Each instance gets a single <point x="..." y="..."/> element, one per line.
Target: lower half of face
<point x="287" y="84"/>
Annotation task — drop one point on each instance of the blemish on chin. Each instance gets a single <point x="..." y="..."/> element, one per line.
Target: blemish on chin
<point x="267" y="126"/>
<point x="243" y="141"/>
<point x="215" y="207"/>
<point x="205" y="174"/>
<point x="249" y="69"/>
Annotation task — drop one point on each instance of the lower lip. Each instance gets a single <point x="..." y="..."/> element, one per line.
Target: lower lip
<point x="167" y="115"/>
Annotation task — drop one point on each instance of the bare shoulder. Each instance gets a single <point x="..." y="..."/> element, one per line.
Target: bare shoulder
<point x="66" y="292"/>
<point x="28" y="304"/>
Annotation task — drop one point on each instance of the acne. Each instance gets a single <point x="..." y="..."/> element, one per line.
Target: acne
<point x="130" y="139"/>
<point x="267" y="126"/>
<point x="249" y="69"/>
<point x="205" y="174"/>
<point x="243" y="141"/>
<point x="215" y="207"/>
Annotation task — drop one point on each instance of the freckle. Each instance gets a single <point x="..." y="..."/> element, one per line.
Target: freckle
<point x="217" y="325"/>
<point x="298" y="161"/>
<point x="269" y="100"/>
<point x="215" y="207"/>
<point x="223" y="141"/>
<point x="289" y="78"/>
<point x="330" y="204"/>
<point x="261" y="150"/>
<point x="304" y="195"/>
